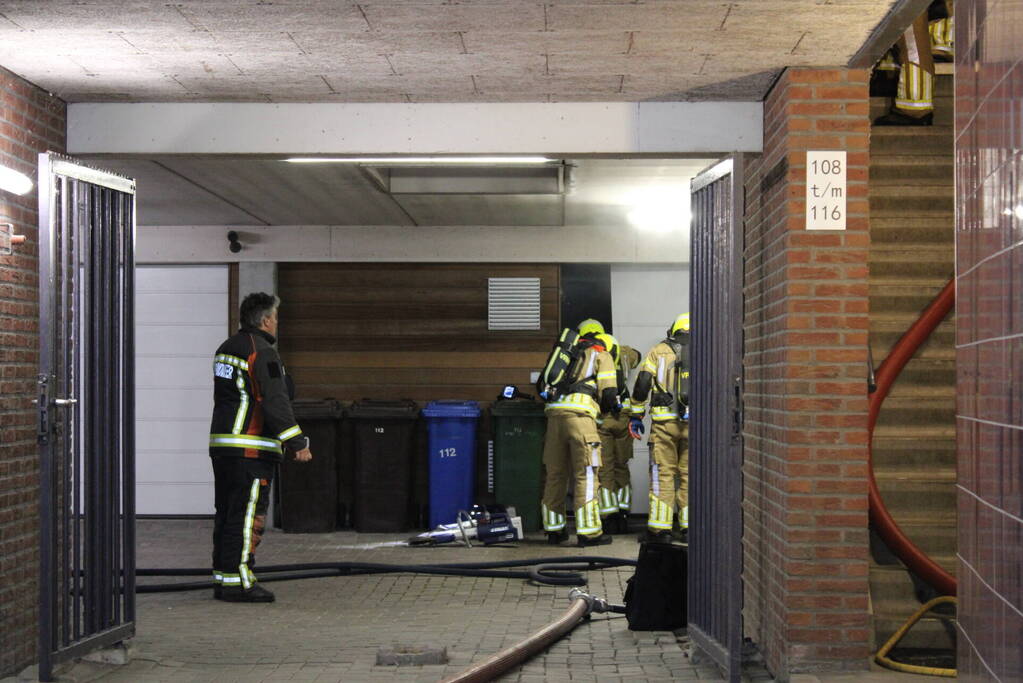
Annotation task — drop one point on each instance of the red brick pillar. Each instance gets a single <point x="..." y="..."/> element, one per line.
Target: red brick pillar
<point x="806" y="321"/>
<point x="31" y="121"/>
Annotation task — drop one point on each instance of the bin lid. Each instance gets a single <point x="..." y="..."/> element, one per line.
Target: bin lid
<point x="517" y="409"/>
<point x="373" y="408"/>
<point x="452" y="409"/>
<point x="317" y="408"/>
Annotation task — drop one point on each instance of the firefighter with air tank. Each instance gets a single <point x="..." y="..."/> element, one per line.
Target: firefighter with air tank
<point x="663" y="383"/>
<point x="615" y="493"/>
<point x="572" y="449"/>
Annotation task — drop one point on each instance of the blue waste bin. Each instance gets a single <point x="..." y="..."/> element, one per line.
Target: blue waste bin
<point x="452" y="442"/>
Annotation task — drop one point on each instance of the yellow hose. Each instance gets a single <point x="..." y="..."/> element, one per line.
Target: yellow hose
<point x="882" y="655"/>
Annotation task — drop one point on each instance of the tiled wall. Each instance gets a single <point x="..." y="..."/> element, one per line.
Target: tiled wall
<point x="989" y="336"/>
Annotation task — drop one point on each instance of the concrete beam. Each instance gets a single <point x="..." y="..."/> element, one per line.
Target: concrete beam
<point x="447" y="244"/>
<point x="257" y="276"/>
<point x="569" y="128"/>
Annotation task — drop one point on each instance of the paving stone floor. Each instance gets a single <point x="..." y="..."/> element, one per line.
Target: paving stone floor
<point x="330" y="629"/>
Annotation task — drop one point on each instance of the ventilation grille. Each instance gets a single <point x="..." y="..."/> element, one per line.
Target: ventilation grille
<point x="513" y="303"/>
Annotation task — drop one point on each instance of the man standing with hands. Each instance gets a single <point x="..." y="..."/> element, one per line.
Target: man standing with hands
<point x="252" y="425"/>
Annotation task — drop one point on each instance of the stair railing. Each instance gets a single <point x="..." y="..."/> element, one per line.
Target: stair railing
<point x="912" y="556"/>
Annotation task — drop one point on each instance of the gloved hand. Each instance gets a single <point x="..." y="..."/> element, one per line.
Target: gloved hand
<point x="685" y="416"/>
<point x="636" y="428"/>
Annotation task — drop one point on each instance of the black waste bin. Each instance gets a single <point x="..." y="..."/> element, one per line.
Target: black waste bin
<point x="384" y="434"/>
<point x="308" y="490"/>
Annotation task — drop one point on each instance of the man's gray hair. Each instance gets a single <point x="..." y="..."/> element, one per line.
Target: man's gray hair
<point x="257" y="306"/>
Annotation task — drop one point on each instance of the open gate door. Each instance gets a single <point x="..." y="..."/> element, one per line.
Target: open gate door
<point x="86" y="410"/>
<point x="715" y="427"/>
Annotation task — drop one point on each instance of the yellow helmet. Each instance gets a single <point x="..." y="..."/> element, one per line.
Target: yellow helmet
<point x="610" y="344"/>
<point x="590" y="326"/>
<point x="681" y="324"/>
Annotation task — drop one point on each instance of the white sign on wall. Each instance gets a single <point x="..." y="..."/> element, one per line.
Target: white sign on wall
<point x="825" y="190"/>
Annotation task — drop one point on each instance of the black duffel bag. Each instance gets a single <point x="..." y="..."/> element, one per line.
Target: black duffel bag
<point x="655" y="596"/>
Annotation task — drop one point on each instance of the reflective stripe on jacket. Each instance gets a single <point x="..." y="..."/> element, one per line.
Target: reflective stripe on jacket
<point x="660" y="365"/>
<point x="252" y="415"/>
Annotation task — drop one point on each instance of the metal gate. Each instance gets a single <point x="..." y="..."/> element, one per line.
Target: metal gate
<point x="86" y="410"/>
<point x="715" y="428"/>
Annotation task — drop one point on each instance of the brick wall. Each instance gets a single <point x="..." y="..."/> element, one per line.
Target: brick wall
<point x="806" y="320"/>
<point x="31" y="121"/>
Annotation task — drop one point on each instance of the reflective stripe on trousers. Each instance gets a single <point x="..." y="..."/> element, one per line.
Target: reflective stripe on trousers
<point x="608" y="502"/>
<point x="247" y="577"/>
<point x="916" y="89"/>
<point x="625" y="497"/>
<point x="660" y="514"/>
<point x="552" y="521"/>
<point x="587" y="516"/>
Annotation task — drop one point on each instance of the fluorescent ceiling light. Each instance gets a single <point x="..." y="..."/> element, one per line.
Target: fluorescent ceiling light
<point x="14" y="181"/>
<point x="438" y="160"/>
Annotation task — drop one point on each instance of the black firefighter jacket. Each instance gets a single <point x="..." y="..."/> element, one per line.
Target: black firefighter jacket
<point x="252" y="414"/>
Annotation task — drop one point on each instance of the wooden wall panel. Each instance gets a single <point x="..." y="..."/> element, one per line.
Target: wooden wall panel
<point x="418" y="331"/>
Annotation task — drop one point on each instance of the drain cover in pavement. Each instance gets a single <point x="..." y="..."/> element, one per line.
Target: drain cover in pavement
<point x="411" y="655"/>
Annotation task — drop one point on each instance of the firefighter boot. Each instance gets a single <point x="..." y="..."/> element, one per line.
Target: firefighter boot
<point x="590" y="541"/>
<point x="651" y="536"/>
<point x="895" y="118"/>
<point x="254" y="594"/>
<point x="556" y="537"/>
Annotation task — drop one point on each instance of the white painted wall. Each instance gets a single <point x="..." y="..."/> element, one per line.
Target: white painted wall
<point x="645" y="299"/>
<point x="496" y="128"/>
<point x="398" y="243"/>
<point x="181" y="318"/>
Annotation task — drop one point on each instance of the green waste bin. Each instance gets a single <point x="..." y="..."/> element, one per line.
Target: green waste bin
<point x="519" y="428"/>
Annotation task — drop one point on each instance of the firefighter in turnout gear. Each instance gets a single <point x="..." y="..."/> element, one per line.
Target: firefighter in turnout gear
<point x="616" y="443"/>
<point x="663" y="381"/>
<point x="252" y="425"/>
<point x="571" y="450"/>
<point x="929" y="37"/>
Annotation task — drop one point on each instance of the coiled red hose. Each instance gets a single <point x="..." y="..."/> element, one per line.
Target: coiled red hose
<point x="917" y="560"/>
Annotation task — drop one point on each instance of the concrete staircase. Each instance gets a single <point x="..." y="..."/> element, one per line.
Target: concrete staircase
<point x="911" y="259"/>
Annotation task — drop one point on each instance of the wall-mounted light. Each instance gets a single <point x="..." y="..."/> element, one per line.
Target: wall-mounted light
<point x="232" y="242"/>
<point x="8" y="239"/>
<point x="421" y="160"/>
<point x="659" y="209"/>
<point x="13" y="181"/>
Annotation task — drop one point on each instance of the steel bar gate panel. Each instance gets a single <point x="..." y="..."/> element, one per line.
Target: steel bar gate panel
<point x="715" y="436"/>
<point x="86" y="410"/>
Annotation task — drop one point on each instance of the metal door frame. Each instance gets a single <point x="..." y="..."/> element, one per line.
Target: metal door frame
<point x="86" y="404"/>
<point x="715" y="589"/>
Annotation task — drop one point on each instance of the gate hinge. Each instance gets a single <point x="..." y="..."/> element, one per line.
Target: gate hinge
<point x="737" y="408"/>
<point x="43" y="403"/>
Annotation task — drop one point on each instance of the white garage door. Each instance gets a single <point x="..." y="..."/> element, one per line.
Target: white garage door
<point x="181" y="317"/>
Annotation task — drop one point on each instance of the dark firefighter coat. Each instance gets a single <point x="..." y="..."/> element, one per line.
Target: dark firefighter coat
<point x="252" y="414"/>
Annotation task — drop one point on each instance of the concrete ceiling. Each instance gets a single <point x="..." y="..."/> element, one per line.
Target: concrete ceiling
<point x="424" y="50"/>
<point x="223" y="190"/>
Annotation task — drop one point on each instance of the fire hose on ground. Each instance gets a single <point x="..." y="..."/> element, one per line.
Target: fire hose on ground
<point x="556" y="571"/>
<point x="551" y="571"/>
<point x="583" y="605"/>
